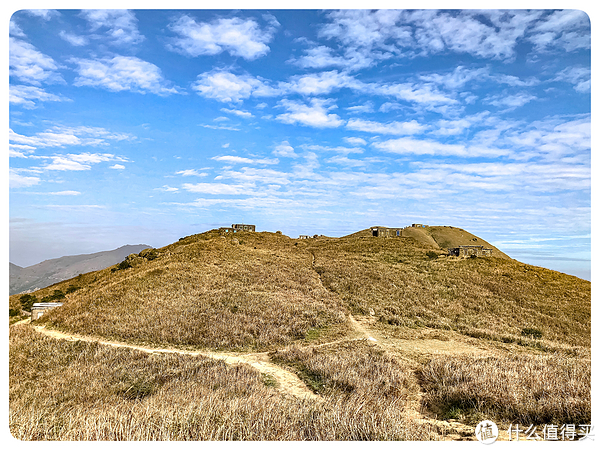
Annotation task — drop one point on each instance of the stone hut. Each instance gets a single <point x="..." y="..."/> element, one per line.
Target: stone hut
<point x="386" y="232"/>
<point x="38" y="309"/>
<point x="237" y="227"/>
<point x="303" y="236"/>
<point x="466" y="251"/>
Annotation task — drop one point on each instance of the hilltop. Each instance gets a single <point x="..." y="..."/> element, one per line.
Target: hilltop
<point x="392" y="324"/>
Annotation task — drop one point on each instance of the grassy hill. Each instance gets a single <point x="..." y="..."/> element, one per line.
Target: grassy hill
<point x="264" y="291"/>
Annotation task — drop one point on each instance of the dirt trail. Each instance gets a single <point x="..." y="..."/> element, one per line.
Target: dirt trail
<point x="287" y="382"/>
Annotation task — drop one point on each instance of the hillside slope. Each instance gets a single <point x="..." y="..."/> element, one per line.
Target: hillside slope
<point x="260" y="290"/>
<point x="395" y="342"/>
<point x="38" y="276"/>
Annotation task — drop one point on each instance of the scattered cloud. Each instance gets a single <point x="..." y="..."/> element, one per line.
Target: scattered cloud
<point x="73" y="39"/>
<point x="166" y="188"/>
<point x="118" y="26"/>
<point x="122" y="73"/>
<point x="315" y="114"/>
<point x="238" y="112"/>
<point x="117" y="167"/>
<point x="241" y="160"/>
<point x="579" y="77"/>
<point x="285" y="150"/>
<point x="215" y="188"/>
<point x="30" y="65"/>
<point x="355" y="141"/>
<point x="27" y="96"/>
<point x="65" y="193"/>
<point x="18" y="181"/>
<point x="61" y="136"/>
<point x="190" y="173"/>
<point x="238" y="37"/>
<point x="227" y="87"/>
<point x="77" y="162"/>
<point x="398" y="128"/>
<point x="318" y="83"/>
<point x="510" y="102"/>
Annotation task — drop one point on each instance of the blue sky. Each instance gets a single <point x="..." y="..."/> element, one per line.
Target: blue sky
<point x="143" y="126"/>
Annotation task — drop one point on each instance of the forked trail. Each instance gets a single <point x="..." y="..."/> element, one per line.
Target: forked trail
<point x="287" y="382"/>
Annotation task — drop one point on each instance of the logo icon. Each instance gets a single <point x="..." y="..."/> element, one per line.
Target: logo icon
<point x="486" y="432"/>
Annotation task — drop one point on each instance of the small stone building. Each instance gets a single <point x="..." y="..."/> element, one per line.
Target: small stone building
<point x="466" y="251"/>
<point x="386" y="232"/>
<point x="303" y="236"/>
<point x="237" y="227"/>
<point x="38" y="309"/>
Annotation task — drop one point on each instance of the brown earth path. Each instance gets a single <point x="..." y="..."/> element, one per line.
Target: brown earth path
<point x="287" y="382"/>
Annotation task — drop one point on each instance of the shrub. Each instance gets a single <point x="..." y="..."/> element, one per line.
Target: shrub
<point x="531" y="332"/>
<point x="149" y="253"/>
<point x="431" y="255"/>
<point x="71" y="289"/>
<point x="27" y="301"/>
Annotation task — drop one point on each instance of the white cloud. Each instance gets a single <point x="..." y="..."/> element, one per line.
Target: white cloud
<point x="227" y="87"/>
<point x="122" y="73"/>
<point x="365" y="108"/>
<point x="19" y="181"/>
<point x="27" y="96"/>
<point x="30" y="65"/>
<point x="45" y="14"/>
<point x="191" y="172"/>
<point x="405" y="146"/>
<point x="568" y="28"/>
<point x="240" y="160"/>
<point x="219" y="127"/>
<point x="79" y="162"/>
<point x="215" y="188"/>
<point x="238" y="112"/>
<point x="579" y="77"/>
<point x="166" y="188"/>
<point x="398" y="128"/>
<point x="73" y="39"/>
<point x="117" y="167"/>
<point x="458" y="78"/>
<point x="355" y="141"/>
<point x="238" y="37"/>
<point x="285" y="150"/>
<point x="318" y="84"/>
<point x="510" y="101"/>
<point x="119" y="26"/>
<point x="313" y="115"/>
<point x="422" y="93"/>
<point x="61" y="136"/>
<point x="65" y="193"/>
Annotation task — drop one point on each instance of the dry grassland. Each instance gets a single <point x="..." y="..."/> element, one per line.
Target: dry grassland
<point x="489" y="298"/>
<point x="209" y="292"/>
<point x="263" y="291"/>
<point x="525" y="389"/>
<point x="62" y="390"/>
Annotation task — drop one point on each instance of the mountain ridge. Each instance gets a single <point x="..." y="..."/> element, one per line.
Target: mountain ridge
<point x="54" y="270"/>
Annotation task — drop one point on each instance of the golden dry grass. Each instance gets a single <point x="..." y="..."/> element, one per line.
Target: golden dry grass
<point x="488" y="298"/>
<point x="211" y="293"/>
<point x="526" y="389"/>
<point x="263" y="291"/>
<point x="62" y="390"/>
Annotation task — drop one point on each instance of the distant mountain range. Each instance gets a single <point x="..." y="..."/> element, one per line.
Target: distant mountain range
<point x="28" y="279"/>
